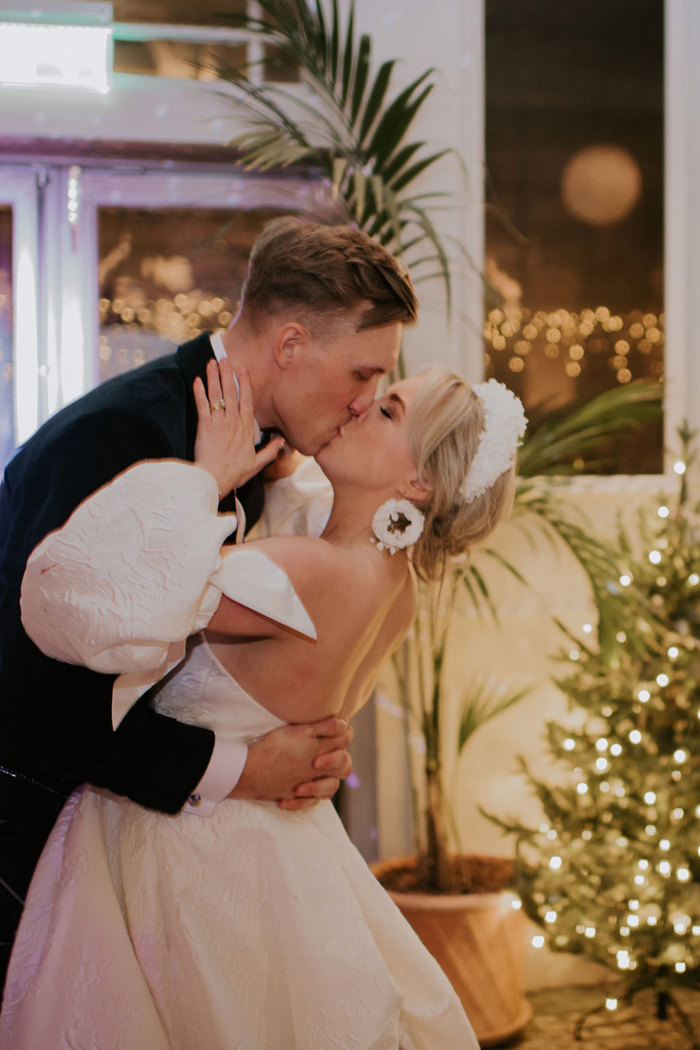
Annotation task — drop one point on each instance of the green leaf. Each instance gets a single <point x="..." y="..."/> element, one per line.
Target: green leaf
<point x="417" y="169"/>
<point x="376" y="97"/>
<point x="348" y="56"/>
<point x="361" y="74"/>
<point x="479" y="705"/>
<point x="396" y="120"/>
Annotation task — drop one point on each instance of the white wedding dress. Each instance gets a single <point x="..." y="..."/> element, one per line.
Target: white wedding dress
<point x="249" y="929"/>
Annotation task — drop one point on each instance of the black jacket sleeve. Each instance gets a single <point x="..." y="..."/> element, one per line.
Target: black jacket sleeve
<point x="55" y="719"/>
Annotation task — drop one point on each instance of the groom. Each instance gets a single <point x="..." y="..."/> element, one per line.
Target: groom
<point x="320" y="322"/>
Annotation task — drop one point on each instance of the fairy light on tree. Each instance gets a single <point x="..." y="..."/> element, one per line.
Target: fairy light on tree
<point x="619" y="881"/>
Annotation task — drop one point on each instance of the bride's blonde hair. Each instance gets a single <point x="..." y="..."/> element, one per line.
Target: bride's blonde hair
<point x="445" y="422"/>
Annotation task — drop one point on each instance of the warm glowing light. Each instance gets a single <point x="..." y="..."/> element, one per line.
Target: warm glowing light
<point x="635" y="736"/>
<point x="664" y="867"/>
<point x="673" y="652"/>
<point x="625" y="580"/>
<point x="602" y="744"/>
<point x="663" y="512"/>
<point x="680" y="755"/>
<point x="664" y="845"/>
<point x="611" y="1004"/>
<point x="650" y="799"/>
<point x="644" y="695"/>
<point x="679" y="967"/>
<point x="601" y="764"/>
<point x="616" y="749"/>
<point x="654" y="557"/>
<point x="683" y="874"/>
<point x="582" y="788"/>
<point x="662" y="679"/>
<point x="679" y="467"/>
<point x="555" y="863"/>
<point x="538" y="941"/>
<point x="569" y="744"/>
<point x="551" y="916"/>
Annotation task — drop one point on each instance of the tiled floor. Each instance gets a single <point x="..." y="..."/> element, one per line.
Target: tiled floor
<point x="634" y="1027"/>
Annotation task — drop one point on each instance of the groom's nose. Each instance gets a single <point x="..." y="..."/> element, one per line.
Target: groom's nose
<point x="361" y="403"/>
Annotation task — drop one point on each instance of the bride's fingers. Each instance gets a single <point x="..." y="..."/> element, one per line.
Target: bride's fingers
<point x="269" y="453"/>
<point x="213" y="382"/>
<point x="201" y="401"/>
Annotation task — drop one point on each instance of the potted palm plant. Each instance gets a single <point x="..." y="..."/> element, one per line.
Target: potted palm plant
<point x="343" y="122"/>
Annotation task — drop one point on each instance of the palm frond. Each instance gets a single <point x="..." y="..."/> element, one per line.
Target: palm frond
<point x="348" y="125"/>
<point x="552" y="444"/>
<point x="481" y="703"/>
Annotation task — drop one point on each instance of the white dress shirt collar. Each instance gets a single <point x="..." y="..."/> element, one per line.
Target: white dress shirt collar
<point x="217" y="344"/>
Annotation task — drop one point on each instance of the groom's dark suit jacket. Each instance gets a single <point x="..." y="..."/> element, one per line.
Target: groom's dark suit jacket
<point x="55" y="719"/>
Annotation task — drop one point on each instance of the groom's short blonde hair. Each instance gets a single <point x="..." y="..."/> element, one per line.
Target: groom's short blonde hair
<point x="331" y="273"/>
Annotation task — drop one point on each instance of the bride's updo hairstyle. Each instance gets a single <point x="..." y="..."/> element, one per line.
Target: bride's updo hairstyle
<point x="445" y="424"/>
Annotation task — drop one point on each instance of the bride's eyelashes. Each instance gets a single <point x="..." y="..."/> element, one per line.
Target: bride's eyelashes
<point x="385" y="412"/>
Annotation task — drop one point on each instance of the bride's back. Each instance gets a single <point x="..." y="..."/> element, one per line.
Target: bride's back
<point x="361" y="603"/>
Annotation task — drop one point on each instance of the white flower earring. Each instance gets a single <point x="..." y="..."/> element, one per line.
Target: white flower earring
<point x="397" y="524"/>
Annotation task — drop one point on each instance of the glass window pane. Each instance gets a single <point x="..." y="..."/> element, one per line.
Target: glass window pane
<point x="166" y="275"/>
<point x="574" y="242"/>
<point x="176" y="12"/>
<point x="182" y="58"/>
<point x="176" y="58"/>
<point x="7" y="414"/>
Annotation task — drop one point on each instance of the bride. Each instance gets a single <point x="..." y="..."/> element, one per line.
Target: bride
<point x="250" y="927"/>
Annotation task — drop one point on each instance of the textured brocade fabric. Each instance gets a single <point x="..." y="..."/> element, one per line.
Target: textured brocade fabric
<point x="254" y="929"/>
<point x="128" y="573"/>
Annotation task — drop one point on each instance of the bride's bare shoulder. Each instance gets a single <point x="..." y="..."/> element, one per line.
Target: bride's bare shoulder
<point x="308" y="561"/>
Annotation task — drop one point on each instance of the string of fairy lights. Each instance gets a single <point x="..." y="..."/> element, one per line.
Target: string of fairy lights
<point x="631" y="343"/>
<point x="177" y="319"/>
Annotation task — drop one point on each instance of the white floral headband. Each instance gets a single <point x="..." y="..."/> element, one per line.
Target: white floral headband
<point x="504" y="428"/>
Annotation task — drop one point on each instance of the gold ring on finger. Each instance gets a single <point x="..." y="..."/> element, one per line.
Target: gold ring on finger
<point x="216" y="406"/>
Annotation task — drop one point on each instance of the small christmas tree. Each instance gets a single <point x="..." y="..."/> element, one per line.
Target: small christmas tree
<point x="614" y="872"/>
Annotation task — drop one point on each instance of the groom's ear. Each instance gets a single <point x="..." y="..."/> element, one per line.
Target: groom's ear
<point x="288" y="340"/>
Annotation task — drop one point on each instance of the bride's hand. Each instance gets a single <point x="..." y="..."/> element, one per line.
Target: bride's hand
<point x="225" y="440"/>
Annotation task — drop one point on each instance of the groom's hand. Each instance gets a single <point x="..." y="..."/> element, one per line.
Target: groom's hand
<point x="297" y="765"/>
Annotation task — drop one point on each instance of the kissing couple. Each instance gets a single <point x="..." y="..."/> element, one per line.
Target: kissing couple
<point x="170" y="908"/>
